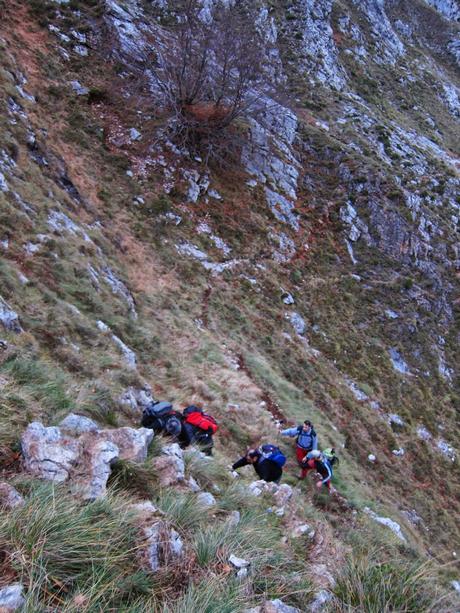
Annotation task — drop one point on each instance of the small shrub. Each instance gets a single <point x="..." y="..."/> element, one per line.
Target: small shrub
<point x="96" y="95"/>
<point x="408" y="283"/>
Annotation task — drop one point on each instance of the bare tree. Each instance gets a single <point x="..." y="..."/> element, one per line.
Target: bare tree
<point x="209" y="73"/>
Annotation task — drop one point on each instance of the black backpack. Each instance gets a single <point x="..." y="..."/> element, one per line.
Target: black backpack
<point x="160" y="417"/>
<point x="191" y="409"/>
<point x="157" y="408"/>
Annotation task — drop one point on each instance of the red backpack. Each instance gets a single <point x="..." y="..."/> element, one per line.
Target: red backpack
<point x="195" y="417"/>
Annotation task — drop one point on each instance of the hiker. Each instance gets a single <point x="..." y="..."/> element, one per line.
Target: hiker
<point x="306" y="440"/>
<point x="198" y="427"/>
<point x="267" y="460"/>
<point x="192" y="426"/>
<point x="315" y="460"/>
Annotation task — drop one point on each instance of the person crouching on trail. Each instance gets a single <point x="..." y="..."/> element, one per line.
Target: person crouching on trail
<point x="315" y="460"/>
<point x="267" y="461"/>
<point x="306" y="441"/>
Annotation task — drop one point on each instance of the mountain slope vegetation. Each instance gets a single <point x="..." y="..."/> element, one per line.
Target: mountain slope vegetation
<point x="310" y="273"/>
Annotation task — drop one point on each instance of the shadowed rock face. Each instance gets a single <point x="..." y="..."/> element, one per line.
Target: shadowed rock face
<point x="80" y="453"/>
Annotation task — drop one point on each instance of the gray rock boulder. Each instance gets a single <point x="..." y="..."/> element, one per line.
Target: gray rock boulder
<point x="134" y="134"/>
<point x="48" y="453"/>
<point x="206" y="499"/>
<point x="128" y="354"/>
<point x="448" y="8"/>
<point x="234" y="518"/>
<point x="320" y="602"/>
<point x="283" y="494"/>
<point x="163" y="543"/>
<point x="238" y="562"/>
<point x="79" y="89"/>
<point x="297" y="322"/>
<point x="132" y="443"/>
<point x="10" y="498"/>
<point x="287" y="298"/>
<point x="301" y="530"/>
<point x="78" y="424"/>
<point x="135" y="398"/>
<point x="386" y="521"/>
<point x="193" y="485"/>
<point x="11" y="598"/>
<point x="9" y="318"/>
<point x="278" y="606"/>
<point x="92" y="470"/>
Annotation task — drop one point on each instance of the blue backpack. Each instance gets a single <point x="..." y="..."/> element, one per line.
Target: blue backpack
<point x="273" y="453"/>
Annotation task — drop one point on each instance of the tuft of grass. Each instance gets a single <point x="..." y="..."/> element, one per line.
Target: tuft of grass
<point x="99" y="403"/>
<point x="235" y="496"/>
<point x="134" y="478"/>
<point x="66" y="552"/>
<point x="210" y="596"/>
<point x="207" y="471"/>
<point x="45" y="384"/>
<point x="253" y="538"/>
<point x="181" y="509"/>
<point x="370" y="584"/>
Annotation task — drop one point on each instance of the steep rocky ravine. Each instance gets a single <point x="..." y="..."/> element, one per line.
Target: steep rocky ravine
<point x="316" y="276"/>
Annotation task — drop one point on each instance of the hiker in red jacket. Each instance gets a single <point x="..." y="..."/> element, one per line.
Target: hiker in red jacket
<point x="198" y="427"/>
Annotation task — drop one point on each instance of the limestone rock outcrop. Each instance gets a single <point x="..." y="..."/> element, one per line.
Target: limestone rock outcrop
<point x="79" y="452"/>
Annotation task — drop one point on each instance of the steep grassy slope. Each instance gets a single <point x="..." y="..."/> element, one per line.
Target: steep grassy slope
<point x="89" y="234"/>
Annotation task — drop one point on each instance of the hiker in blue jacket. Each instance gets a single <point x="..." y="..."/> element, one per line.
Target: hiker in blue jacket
<point x="267" y="462"/>
<point x="306" y="440"/>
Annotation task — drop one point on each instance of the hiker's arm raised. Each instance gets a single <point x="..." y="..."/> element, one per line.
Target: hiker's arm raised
<point x="289" y="432"/>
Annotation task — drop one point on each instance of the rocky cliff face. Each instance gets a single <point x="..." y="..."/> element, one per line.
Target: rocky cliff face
<point x="316" y="277"/>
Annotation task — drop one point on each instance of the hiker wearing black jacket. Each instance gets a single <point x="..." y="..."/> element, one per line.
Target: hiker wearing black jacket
<point x="317" y="461"/>
<point x="267" y="469"/>
<point x="193" y="435"/>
